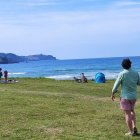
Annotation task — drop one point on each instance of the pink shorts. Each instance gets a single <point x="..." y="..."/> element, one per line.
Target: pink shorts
<point x="127" y="104"/>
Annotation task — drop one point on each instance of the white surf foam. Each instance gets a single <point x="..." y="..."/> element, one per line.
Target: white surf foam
<point x="17" y="73"/>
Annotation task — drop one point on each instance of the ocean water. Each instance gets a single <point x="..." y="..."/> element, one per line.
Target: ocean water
<point x="67" y="69"/>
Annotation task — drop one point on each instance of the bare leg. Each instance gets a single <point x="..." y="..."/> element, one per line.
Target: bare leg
<point x="133" y="119"/>
<point x="128" y="118"/>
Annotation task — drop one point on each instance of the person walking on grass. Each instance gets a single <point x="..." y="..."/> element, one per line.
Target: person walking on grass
<point x="128" y="79"/>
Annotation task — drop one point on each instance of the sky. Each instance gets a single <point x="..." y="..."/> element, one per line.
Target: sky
<point x="70" y="29"/>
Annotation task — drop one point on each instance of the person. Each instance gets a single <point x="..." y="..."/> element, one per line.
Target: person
<point x="83" y="78"/>
<point x="77" y="80"/>
<point x="5" y="75"/>
<point x="128" y="79"/>
<point x="1" y="73"/>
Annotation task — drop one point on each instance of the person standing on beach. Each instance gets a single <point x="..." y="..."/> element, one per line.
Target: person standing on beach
<point x="128" y="79"/>
<point x="1" y="73"/>
<point x="5" y="75"/>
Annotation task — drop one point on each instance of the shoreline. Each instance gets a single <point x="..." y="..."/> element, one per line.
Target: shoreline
<point x="10" y="78"/>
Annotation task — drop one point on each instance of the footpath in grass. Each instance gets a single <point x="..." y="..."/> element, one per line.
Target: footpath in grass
<point x="42" y="109"/>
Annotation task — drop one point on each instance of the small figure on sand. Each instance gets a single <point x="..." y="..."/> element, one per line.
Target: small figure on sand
<point x="0" y="73"/>
<point x="82" y="79"/>
<point x="5" y="75"/>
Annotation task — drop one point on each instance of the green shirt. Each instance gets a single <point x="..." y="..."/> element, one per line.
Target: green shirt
<point x="128" y="79"/>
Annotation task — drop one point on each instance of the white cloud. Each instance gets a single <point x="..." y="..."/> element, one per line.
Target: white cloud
<point x="39" y="3"/>
<point x="66" y="31"/>
<point x="127" y="3"/>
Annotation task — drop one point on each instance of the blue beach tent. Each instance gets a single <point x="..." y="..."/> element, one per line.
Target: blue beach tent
<point x="100" y="78"/>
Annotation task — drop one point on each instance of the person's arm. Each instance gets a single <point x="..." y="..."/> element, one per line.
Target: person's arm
<point x="116" y="85"/>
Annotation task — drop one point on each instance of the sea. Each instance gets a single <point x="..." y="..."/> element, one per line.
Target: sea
<point x="67" y="69"/>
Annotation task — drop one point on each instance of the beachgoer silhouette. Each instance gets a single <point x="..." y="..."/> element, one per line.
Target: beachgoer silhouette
<point x="5" y="75"/>
<point x="1" y="73"/>
<point x="83" y="78"/>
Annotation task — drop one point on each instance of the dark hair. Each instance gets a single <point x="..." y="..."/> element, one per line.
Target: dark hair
<point x="126" y="63"/>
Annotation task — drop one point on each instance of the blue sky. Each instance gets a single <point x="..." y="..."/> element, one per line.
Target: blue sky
<point x="70" y="29"/>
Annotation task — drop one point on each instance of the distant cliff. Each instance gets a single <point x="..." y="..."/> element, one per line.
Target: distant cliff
<point x="38" y="57"/>
<point x="6" y="58"/>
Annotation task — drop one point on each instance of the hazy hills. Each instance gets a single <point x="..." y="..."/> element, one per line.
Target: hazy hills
<point x="6" y="58"/>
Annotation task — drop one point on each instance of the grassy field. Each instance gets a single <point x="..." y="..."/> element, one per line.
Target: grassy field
<point x="42" y="109"/>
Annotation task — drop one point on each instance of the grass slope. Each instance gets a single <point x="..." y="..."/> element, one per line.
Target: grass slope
<point x="42" y="109"/>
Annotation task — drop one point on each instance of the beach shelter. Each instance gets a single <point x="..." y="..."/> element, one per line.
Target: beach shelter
<point x="99" y="77"/>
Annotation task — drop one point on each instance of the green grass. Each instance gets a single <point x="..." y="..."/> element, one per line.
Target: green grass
<point x="42" y="109"/>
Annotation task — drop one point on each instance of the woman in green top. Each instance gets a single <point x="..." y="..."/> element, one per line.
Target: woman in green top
<point x="128" y="79"/>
